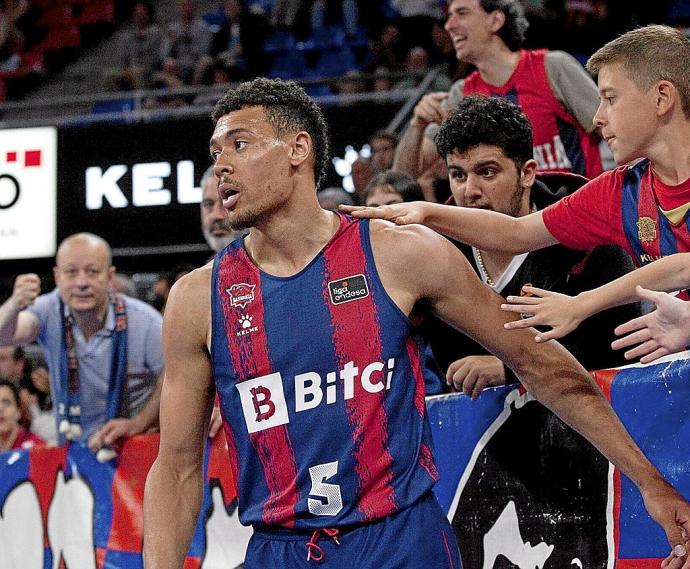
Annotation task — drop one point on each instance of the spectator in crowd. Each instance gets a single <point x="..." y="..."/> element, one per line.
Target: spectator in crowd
<point x="142" y="46"/>
<point x="382" y="144"/>
<point x="15" y="368"/>
<point x="416" y="20"/>
<point x="189" y="39"/>
<point x="277" y="172"/>
<point x="389" y="187"/>
<point x="161" y="287"/>
<point x="12" y="363"/>
<point x="11" y="38"/>
<point x="12" y="435"/>
<point x="644" y="115"/>
<point x="332" y="198"/>
<point x="124" y="284"/>
<point x="386" y="50"/>
<point x="661" y="332"/>
<point x="417" y="65"/>
<point x="36" y="397"/>
<point x="214" y="219"/>
<point x="487" y="144"/>
<point x="238" y="44"/>
<point x="103" y="349"/>
<point x="553" y="89"/>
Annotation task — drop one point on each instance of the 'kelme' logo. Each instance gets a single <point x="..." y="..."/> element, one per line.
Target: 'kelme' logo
<point x="348" y="289"/>
<point x="241" y="294"/>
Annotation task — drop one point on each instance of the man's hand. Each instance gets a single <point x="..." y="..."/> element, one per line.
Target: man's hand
<point x="662" y="332"/>
<point x="114" y="430"/>
<point x="430" y="109"/>
<point x="544" y="308"/>
<point x="26" y="289"/>
<point x="672" y="513"/>
<point x="472" y="374"/>
<point x="399" y="213"/>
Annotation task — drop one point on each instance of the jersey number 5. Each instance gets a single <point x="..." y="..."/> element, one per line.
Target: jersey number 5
<point x="330" y="500"/>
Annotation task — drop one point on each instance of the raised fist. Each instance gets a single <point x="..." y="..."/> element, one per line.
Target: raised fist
<point x="26" y="289"/>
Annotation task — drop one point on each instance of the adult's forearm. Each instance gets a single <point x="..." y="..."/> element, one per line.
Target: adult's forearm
<point x="407" y="153"/>
<point x="149" y="414"/>
<point x="172" y="501"/>
<point x="9" y="313"/>
<point x="556" y="380"/>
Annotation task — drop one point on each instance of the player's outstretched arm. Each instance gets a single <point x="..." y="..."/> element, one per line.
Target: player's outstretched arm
<point x="444" y="278"/>
<point x="565" y="313"/>
<point x="487" y="230"/>
<point x="174" y="486"/>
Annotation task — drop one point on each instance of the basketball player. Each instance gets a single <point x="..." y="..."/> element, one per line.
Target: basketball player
<point x="305" y="327"/>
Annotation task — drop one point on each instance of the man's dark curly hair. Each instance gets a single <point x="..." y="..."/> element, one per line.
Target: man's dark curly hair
<point x="486" y="120"/>
<point x="288" y="109"/>
<point x="513" y="30"/>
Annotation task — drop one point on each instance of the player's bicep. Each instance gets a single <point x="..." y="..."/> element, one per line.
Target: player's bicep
<point x="186" y="395"/>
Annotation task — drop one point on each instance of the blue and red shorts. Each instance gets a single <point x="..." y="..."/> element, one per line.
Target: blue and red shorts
<point x="419" y="536"/>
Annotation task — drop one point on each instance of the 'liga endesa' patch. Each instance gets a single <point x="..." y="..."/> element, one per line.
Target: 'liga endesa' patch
<point x="348" y="289"/>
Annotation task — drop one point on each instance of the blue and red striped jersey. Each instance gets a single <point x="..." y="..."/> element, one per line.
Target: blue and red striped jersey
<point x="625" y="207"/>
<point x="321" y="388"/>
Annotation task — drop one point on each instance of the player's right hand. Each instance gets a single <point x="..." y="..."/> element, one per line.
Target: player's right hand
<point x="26" y="288"/>
<point x="399" y="213"/>
<point x="430" y="109"/>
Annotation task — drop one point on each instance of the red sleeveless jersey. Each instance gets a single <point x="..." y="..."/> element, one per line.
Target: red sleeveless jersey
<point x="560" y="143"/>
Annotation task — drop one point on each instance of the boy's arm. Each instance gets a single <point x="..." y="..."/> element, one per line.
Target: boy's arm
<point x="486" y="230"/>
<point x="174" y="486"/>
<point x="565" y="313"/>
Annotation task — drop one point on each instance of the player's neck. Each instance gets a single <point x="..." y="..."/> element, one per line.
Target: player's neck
<point x="670" y="153"/>
<point x="497" y="64"/>
<point x="288" y="242"/>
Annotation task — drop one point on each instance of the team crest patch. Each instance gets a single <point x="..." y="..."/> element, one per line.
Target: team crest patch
<point x="241" y="294"/>
<point x="348" y="289"/>
<point x="646" y="229"/>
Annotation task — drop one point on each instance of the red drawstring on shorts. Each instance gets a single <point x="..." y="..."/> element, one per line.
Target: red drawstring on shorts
<point x="313" y="550"/>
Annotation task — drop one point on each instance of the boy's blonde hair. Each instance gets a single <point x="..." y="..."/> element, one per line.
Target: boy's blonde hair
<point x="650" y="54"/>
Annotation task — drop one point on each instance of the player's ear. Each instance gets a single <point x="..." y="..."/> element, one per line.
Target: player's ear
<point x="300" y="148"/>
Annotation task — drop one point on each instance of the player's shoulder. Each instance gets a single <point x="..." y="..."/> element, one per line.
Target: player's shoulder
<point x="194" y="287"/>
<point x="405" y="243"/>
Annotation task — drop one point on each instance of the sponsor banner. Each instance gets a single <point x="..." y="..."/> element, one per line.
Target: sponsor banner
<point x="518" y="485"/>
<point x="62" y="503"/>
<point x="28" y="192"/>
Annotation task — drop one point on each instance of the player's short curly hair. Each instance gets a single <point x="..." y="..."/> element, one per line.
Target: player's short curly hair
<point x="486" y="120"/>
<point x="288" y="109"/>
<point x="513" y="31"/>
